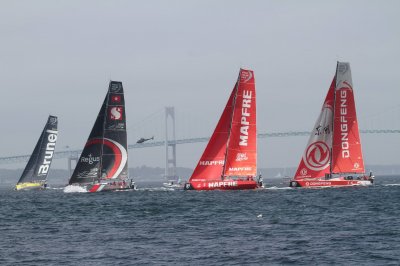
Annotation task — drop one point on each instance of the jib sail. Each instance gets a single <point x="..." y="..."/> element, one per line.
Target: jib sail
<point x="316" y="158"/>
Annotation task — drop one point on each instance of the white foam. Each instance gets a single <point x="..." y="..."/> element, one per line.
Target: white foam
<point x="278" y="188"/>
<point x="391" y="185"/>
<point x="74" y="189"/>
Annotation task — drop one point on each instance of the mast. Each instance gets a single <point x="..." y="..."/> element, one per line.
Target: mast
<point x="230" y="125"/>
<point x="102" y="135"/>
<point x="333" y="122"/>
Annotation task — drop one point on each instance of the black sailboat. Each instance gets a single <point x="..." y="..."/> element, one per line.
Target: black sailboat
<point x="37" y="168"/>
<point x="103" y="164"/>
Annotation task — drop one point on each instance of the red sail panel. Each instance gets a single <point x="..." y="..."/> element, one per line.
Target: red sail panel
<point x="210" y="165"/>
<point x="316" y="157"/>
<point x="346" y="151"/>
<point x="241" y="159"/>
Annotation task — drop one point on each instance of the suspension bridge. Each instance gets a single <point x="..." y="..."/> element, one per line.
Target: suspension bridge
<point x="170" y="143"/>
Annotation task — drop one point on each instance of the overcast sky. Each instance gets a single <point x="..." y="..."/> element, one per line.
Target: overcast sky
<point x="57" y="57"/>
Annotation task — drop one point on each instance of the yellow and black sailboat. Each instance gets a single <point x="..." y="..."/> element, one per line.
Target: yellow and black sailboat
<point x="37" y="168"/>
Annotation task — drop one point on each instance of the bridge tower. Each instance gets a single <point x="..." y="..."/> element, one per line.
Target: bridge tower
<point x="170" y="148"/>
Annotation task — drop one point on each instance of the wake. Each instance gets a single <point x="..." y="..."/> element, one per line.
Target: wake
<point x="74" y="189"/>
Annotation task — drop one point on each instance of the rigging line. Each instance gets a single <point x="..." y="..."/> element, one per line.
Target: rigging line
<point x="138" y="124"/>
<point x="386" y="110"/>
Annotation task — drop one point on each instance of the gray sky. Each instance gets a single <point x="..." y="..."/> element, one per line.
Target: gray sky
<point x="57" y="57"/>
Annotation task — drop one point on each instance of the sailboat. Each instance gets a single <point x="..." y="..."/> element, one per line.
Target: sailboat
<point x="229" y="161"/>
<point x="173" y="183"/>
<point x="333" y="155"/>
<point x="103" y="163"/>
<point x="35" y="173"/>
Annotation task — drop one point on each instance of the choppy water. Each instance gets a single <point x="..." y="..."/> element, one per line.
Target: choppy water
<point x="349" y="226"/>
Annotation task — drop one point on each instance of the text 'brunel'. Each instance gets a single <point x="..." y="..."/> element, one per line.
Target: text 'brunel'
<point x="244" y="128"/>
<point x="51" y="145"/>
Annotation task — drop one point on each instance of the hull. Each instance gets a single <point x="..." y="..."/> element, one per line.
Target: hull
<point x="222" y="185"/>
<point x="334" y="182"/>
<point x="30" y="186"/>
<point x="104" y="186"/>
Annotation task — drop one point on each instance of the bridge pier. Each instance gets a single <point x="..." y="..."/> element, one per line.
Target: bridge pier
<point x="170" y="145"/>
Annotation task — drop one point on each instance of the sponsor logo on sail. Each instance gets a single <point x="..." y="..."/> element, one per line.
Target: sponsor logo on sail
<point x="241" y="157"/>
<point x="244" y="122"/>
<point x="344" y="126"/>
<point x="53" y="120"/>
<point x="245" y="76"/>
<point x="219" y="162"/>
<point x="239" y="169"/>
<point x="116" y="113"/>
<point x="303" y="171"/>
<point x="223" y="184"/>
<point x="50" y="147"/>
<point x="116" y="98"/>
<point x="117" y="150"/>
<point x="115" y="87"/>
<point x="356" y="165"/>
<point x="317" y="156"/>
<point x="90" y="159"/>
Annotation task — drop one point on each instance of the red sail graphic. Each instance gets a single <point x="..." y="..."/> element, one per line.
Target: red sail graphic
<point x="346" y="151"/>
<point x="211" y="163"/>
<point x="241" y="159"/>
<point x="316" y="157"/>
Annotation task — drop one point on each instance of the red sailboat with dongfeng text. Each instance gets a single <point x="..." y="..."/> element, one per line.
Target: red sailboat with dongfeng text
<point x="333" y="155"/>
<point x="229" y="161"/>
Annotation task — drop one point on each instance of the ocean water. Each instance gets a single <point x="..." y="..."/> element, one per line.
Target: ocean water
<point x="154" y="226"/>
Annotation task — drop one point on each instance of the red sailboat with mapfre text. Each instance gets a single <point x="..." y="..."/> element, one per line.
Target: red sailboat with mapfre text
<point x="333" y="155"/>
<point x="229" y="161"/>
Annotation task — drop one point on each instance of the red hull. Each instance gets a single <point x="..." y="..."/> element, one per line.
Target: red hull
<point x="336" y="182"/>
<point x="222" y="185"/>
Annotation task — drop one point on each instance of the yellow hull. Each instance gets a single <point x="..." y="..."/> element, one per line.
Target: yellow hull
<point x="28" y="185"/>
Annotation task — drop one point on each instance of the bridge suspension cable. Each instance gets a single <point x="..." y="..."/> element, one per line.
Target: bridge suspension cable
<point x="75" y="153"/>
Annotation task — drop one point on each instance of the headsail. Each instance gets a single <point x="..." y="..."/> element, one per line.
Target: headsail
<point x="211" y="163"/>
<point x="38" y="166"/>
<point x="316" y="158"/>
<point x="346" y="150"/>
<point x="105" y="153"/>
<point x="241" y="159"/>
<point x="233" y="143"/>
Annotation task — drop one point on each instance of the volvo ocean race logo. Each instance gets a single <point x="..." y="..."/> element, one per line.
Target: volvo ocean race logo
<point x="303" y="172"/>
<point x="317" y="156"/>
<point x="53" y="120"/>
<point x="241" y="157"/>
<point x="116" y="113"/>
<point x="115" y="87"/>
<point x="245" y="76"/>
